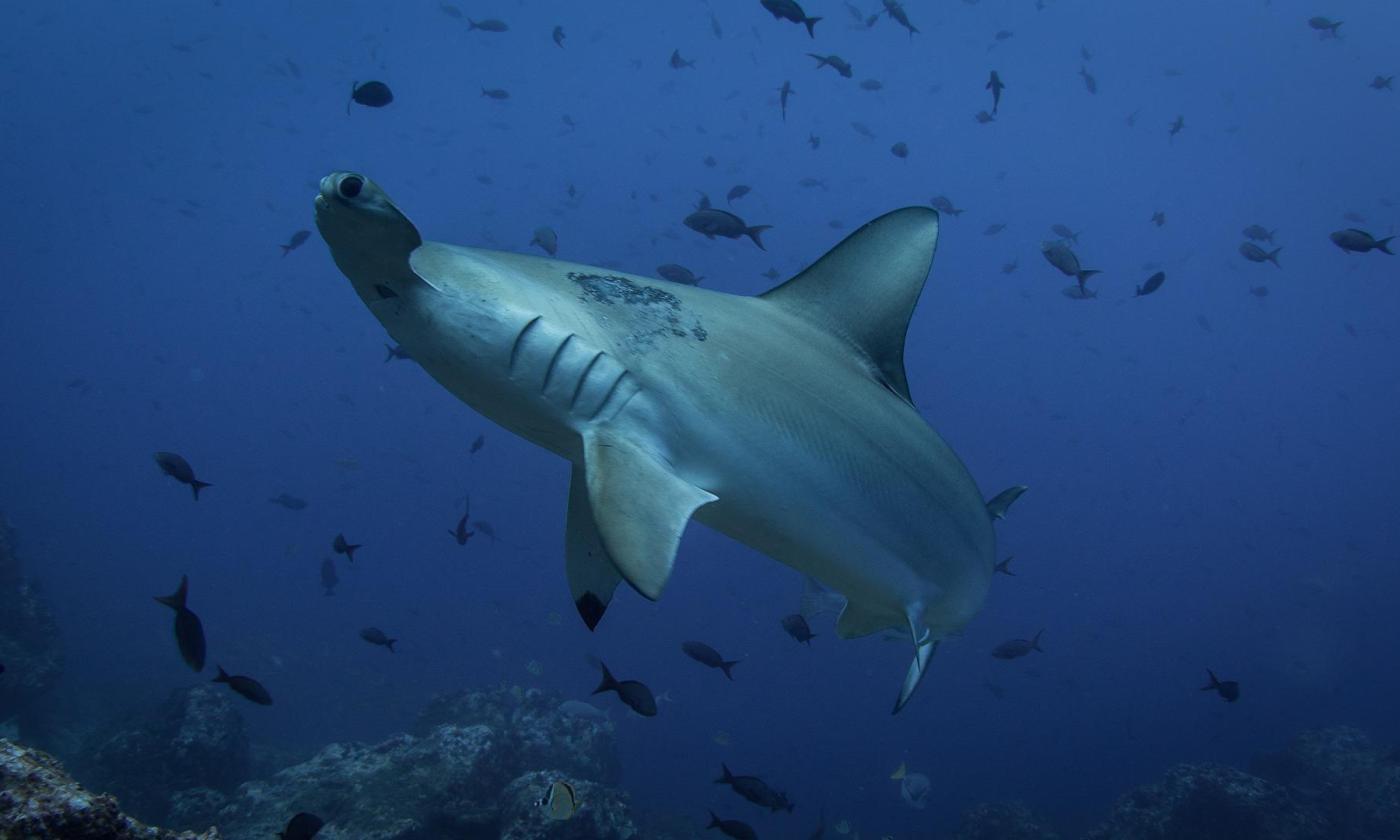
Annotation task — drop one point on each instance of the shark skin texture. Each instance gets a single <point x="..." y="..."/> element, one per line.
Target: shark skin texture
<point x="783" y="421"/>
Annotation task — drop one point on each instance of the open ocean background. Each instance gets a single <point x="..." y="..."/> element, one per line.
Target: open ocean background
<point x="1213" y="474"/>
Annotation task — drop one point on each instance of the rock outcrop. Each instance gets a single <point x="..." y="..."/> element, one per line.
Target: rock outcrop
<point x="39" y="800"/>
<point x="1002" y="821"/>
<point x="30" y="648"/>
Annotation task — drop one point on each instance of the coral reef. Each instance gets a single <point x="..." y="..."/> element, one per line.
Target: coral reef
<point x="29" y="642"/>
<point x="1352" y="781"/>
<point x="1002" y="821"/>
<point x="39" y="800"/>
<point x="194" y="740"/>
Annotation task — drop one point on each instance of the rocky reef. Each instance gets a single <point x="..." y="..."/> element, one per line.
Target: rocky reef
<point x="39" y="800"/>
<point x="1002" y="821"/>
<point x="30" y="648"/>
<point x="193" y="740"/>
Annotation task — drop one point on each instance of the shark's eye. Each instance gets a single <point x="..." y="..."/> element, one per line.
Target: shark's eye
<point x="350" y="186"/>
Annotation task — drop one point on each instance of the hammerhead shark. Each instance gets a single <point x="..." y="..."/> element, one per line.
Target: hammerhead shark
<point x="783" y="420"/>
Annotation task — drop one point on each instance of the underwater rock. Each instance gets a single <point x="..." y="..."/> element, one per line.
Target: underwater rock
<point x="29" y="642"/>
<point x="1002" y="821"/>
<point x="530" y="719"/>
<point x="1353" y="781"/>
<point x="194" y="740"/>
<point x="1207" y="802"/>
<point x="38" y="799"/>
<point x="603" y="812"/>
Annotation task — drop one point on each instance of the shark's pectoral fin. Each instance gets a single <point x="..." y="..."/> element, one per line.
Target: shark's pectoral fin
<point x="640" y="507"/>
<point x="592" y="575"/>
<point x="923" y="652"/>
<point x="856" y="621"/>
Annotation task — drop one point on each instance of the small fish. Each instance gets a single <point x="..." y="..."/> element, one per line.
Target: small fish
<point x="477" y="444"/>
<point x="836" y="62"/>
<point x="180" y="470"/>
<point x="896" y="11"/>
<point x="994" y="84"/>
<point x="1259" y="233"/>
<point x="900" y="150"/>
<point x="771" y="274"/>
<point x="1153" y="284"/>
<point x="303" y="826"/>
<point x="1017" y="648"/>
<point x="797" y="627"/>
<point x="498" y="94"/>
<point x="189" y="631"/>
<point x="1259" y="291"/>
<point x="789" y="10"/>
<point x="1177" y="125"/>
<point x="340" y="546"/>
<point x="733" y="828"/>
<point x="1008" y="268"/>
<point x="329" y="578"/>
<point x="783" y="93"/>
<point x="375" y="636"/>
<point x="558" y="36"/>
<point x="297" y="240"/>
<point x="547" y="239"/>
<point x="1004" y="567"/>
<point x="993" y="229"/>
<point x="559" y="802"/>
<point x="451" y="10"/>
<point x="983" y="117"/>
<point x="710" y="161"/>
<point x="677" y="273"/>
<point x="1228" y="689"/>
<point x="488" y="25"/>
<point x="872" y="84"/>
<point x="914" y="790"/>
<point x="1085" y="54"/>
<point x="1254" y="253"/>
<point x="1355" y="241"/>
<point x="706" y="655"/>
<point x="814" y="141"/>
<point x="396" y="351"/>
<point x="943" y="204"/>
<point x="246" y="686"/>
<point x="736" y="191"/>
<point x="1382" y="83"/>
<point x="370" y="95"/>
<point x="1003" y="35"/>
<point x="461" y="534"/>
<point x="1326" y="27"/>
<point x="712" y="222"/>
<point x="636" y="695"/>
<point x="1065" y="233"/>
<point x="1090" y="83"/>
<point x="1158" y="218"/>
<point x="678" y="63"/>
<point x="754" y="790"/>
<point x="485" y="528"/>
<point x="863" y="130"/>
<point x="1058" y="254"/>
<point x="998" y="505"/>
<point x="289" y="502"/>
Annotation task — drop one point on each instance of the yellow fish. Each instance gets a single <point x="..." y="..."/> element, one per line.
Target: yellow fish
<point x="561" y="802"/>
<point x="899" y="772"/>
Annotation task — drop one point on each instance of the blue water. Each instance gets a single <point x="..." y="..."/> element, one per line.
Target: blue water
<point x="1212" y="473"/>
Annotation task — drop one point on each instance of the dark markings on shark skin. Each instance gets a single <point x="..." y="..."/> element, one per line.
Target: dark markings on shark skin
<point x="655" y="312"/>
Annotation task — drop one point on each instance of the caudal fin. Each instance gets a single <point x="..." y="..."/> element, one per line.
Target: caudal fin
<point x="725" y="666"/>
<point x="725" y="776"/>
<point x="223" y="675"/>
<point x="714" y="822"/>
<point x="1035" y="642"/>
<point x="753" y="233"/>
<point x="1214" y="683"/>
<point x="1384" y="245"/>
<point x="177" y="600"/>
<point x="811" y="22"/>
<point x="196" y="485"/>
<point x="608" y="683"/>
<point x="1272" y="257"/>
<point x="923" y="652"/>
<point x="1086" y="274"/>
<point x="286" y="249"/>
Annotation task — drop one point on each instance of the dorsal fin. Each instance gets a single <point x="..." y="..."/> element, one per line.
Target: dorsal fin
<point x="865" y="288"/>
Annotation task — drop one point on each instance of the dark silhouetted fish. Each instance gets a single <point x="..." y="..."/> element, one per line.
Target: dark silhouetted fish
<point x="797" y="627"/>
<point x="498" y="94"/>
<point x="872" y="84"/>
<point x="1004" y="567"/>
<point x="1254" y="253"/>
<point x="460" y="533"/>
<point x="1064" y="232"/>
<point x="370" y="95"/>
<point x="736" y="191"/>
<point x="900" y="150"/>
<point x="289" y="502"/>
<point x="1177" y="125"/>
<point x="732" y="828"/>
<point x="983" y="117"/>
<point x="995" y="85"/>
<point x="180" y="470"/>
<point x="944" y="204"/>
<point x="488" y="25"/>
<point x="1058" y="254"/>
<point x="836" y="62"/>
<point x="395" y="351"/>
<point x="1326" y="27"/>
<point x="993" y="229"/>
<point x="1158" y="218"/>
<point x="303" y="826"/>
<point x="485" y="528"/>
<point x="783" y="93"/>
<point x="189" y="632"/>
<point x="789" y="10"/>
<point x="1382" y="83"/>
<point x="1017" y="648"/>
<point x="477" y="444"/>
<point x="1228" y="689"/>
<point x="706" y="655"/>
<point x="246" y="686"/>
<point x="636" y="695"/>
<point x="1355" y="241"/>
<point x="754" y="790"/>
<point x="298" y="239"/>
<point x="678" y="63"/>
<point x="547" y="239"/>
<point x="1153" y="284"/>
<point x="814" y="141"/>
<point x="558" y="36"/>
<point x="998" y="505"/>
<point x="340" y="546"/>
<point x="896" y="11"/>
<point x="1090" y="83"/>
<point x="713" y="222"/>
<point x="375" y="636"/>
<point x="1259" y="291"/>
<point x="1259" y="233"/>
<point x="329" y="578"/>
<point x="677" y="273"/>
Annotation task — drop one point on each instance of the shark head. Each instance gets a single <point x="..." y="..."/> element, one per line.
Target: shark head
<point x="370" y="238"/>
